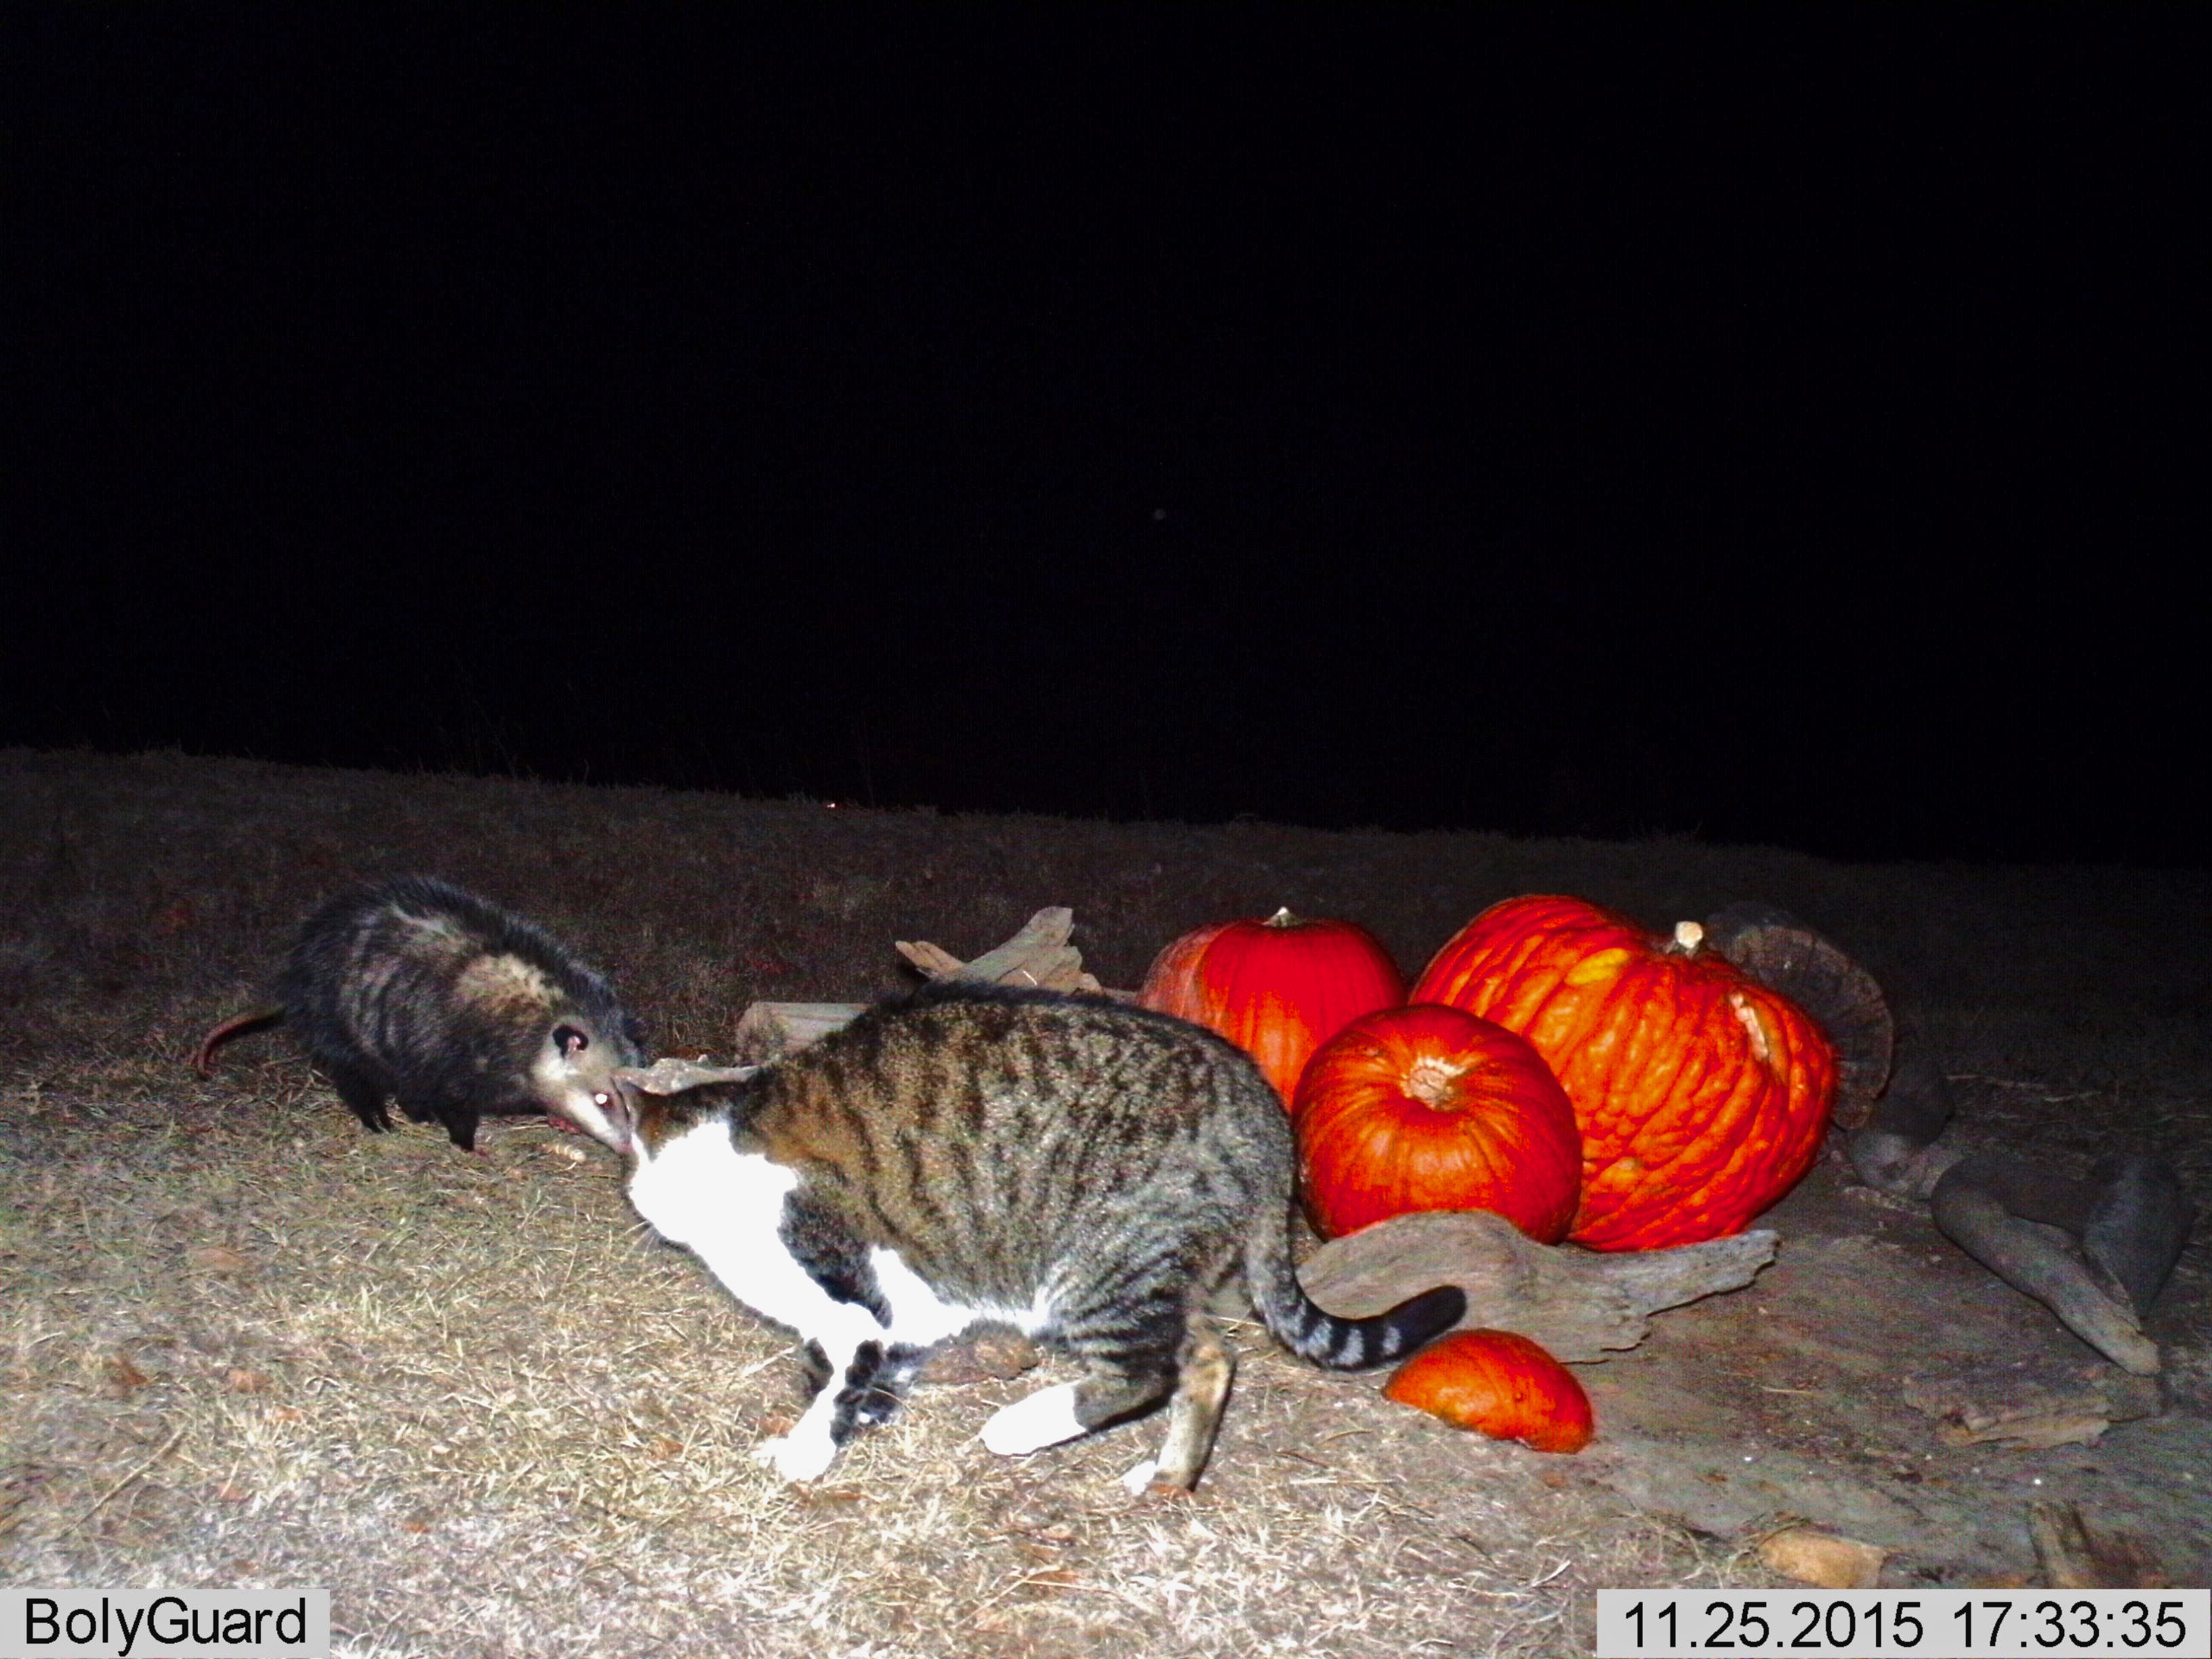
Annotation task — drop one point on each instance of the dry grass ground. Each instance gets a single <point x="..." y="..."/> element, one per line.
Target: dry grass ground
<point x="244" y="1342"/>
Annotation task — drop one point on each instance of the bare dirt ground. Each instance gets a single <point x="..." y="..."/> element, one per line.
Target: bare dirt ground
<point x="244" y="1343"/>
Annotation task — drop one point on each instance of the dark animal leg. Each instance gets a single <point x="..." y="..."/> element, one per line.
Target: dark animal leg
<point x="875" y="1386"/>
<point x="458" y="1118"/>
<point x="901" y="1364"/>
<point x="1113" y="1391"/>
<point x="1130" y="1368"/>
<point x="815" y="1367"/>
<point x="856" y="1396"/>
<point x="362" y="1093"/>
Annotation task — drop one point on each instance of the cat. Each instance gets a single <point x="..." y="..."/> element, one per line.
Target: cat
<point x="1081" y="1170"/>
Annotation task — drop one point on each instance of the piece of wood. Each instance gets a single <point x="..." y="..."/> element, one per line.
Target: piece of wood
<point x="983" y="1356"/>
<point x="2074" y="1555"/>
<point x="2035" y="1257"/>
<point x="2026" y="1406"/>
<point x="769" y="1030"/>
<point x="1578" y="1303"/>
<point x="1039" y="955"/>
<point x="1813" y="1557"/>
<point x="934" y="963"/>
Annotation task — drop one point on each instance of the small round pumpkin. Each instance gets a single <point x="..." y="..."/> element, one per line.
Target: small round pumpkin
<point x="1277" y="988"/>
<point x="1428" y="1107"/>
<point x="1500" y="1383"/>
<point x="1701" y="1094"/>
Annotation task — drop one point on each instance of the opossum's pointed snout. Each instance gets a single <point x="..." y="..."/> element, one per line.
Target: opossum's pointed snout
<point x="603" y="1114"/>
<point x="621" y="1110"/>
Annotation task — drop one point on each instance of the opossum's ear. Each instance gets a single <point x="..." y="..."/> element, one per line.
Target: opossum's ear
<point x="634" y="1030"/>
<point x="570" y="1040"/>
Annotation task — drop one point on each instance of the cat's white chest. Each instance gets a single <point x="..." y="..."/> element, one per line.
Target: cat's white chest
<point x="726" y="1207"/>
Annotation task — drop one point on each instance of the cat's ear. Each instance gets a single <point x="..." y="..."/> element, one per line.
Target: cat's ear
<point x="673" y="1076"/>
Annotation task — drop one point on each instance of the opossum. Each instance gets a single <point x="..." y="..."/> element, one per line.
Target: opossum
<point x="412" y="989"/>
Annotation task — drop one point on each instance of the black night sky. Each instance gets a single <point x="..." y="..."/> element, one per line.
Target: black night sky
<point x="1778" y="426"/>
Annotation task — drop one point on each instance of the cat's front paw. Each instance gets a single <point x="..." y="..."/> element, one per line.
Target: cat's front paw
<point x="799" y="1456"/>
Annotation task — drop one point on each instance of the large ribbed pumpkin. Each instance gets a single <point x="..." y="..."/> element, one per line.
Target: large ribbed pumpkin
<point x="1277" y="988"/>
<point x="1702" y="1096"/>
<point x="1428" y="1107"/>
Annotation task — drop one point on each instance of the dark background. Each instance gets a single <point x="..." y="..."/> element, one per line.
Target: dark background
<point x="1784" y="425"/>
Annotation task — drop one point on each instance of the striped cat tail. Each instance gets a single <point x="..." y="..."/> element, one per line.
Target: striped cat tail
<point x="1312" y="1333"/>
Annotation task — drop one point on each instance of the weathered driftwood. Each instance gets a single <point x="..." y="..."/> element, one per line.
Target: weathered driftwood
<point x="2042" y="1404"/>
<point x="2074" y="1555"/>
<point x="1039" y="955"/>
<point x="2130" y="1218"/>
<point x="769" y="1030"/>
<point x="1578" y="1303"/>
<point x="1990" y="1206"/>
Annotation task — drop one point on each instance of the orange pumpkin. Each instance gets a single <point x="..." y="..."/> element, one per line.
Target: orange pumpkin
<point x="1702" y="1096"/>
<point x="1278" y="988"/>
<point x="1501" y="1383"/>
<point x="1426" y="1108"/>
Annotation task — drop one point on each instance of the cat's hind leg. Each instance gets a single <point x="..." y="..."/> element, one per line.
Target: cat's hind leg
<point x="1202" y="1376"/>
<point x="1132" y="1370"/>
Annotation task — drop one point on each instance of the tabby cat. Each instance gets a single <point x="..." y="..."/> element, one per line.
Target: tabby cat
<point x="1084" y="1171"/>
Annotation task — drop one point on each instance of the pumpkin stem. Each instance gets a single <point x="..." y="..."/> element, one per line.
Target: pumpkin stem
<point x="1688" y="936"/>
<point x="1283" y="918"/>
<point x="1430" y="1080"/>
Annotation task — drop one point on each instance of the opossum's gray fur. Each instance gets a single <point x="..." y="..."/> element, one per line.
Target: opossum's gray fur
<point x="413" y="989"/>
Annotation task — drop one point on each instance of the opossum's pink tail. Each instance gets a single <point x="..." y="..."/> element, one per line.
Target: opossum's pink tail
<point x="204" y="1056"/>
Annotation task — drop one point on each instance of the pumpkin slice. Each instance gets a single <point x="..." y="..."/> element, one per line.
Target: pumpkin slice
<point x="1499" y="1383"/>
